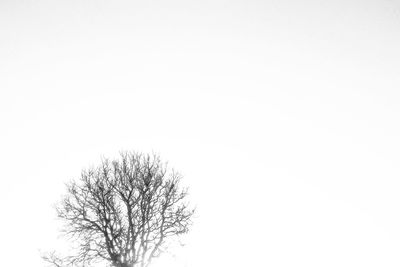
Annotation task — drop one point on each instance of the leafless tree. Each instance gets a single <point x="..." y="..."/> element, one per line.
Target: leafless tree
<point x="123" y="212"/>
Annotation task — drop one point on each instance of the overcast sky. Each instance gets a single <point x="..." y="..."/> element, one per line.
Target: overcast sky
<point x="283" y="117"/>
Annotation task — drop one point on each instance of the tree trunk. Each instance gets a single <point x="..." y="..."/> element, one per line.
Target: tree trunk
<point x="121" y="264"/>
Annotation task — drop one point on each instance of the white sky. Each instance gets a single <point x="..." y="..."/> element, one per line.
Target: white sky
<point x="283" y="117"/>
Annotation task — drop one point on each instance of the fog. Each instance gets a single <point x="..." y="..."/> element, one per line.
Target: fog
<point x="282" y="117"/>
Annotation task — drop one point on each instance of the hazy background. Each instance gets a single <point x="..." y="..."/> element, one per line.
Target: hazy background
<point x="283" y="117"/>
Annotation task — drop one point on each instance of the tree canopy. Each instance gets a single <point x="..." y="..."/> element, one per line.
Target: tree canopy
<point x="123" y="212"/>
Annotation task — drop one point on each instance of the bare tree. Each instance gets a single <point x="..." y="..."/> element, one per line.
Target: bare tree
<point x="123" y="212"/>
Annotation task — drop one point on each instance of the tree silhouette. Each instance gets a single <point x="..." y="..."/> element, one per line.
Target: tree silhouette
<point x="122" y="212"/>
